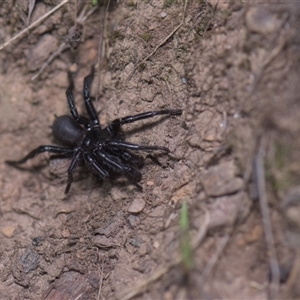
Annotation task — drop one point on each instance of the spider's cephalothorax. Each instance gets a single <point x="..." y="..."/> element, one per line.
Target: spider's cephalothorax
<point x="103" y="150"/>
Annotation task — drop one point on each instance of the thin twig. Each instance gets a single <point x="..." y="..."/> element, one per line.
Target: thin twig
<point x="83" y="15"/>
<point x="267" y="224"/>
<point x="294" y="273"/>
<point x="100" y="50"/>
<point x="224" y="123"/>
<point x="100" y="283"/>
<point x="99" y="82"/>
<point x="214" y="258"/>
<point x="75" y="13"/>
<point x="60" y="49"/>
<point x="272" y="54"/>
<point x="63" y="46"/>
<point x="34" y="24"/>
<point x="160" y="44"/>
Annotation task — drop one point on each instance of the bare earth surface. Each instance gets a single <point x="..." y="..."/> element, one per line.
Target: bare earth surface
<point x="234" y="153"/>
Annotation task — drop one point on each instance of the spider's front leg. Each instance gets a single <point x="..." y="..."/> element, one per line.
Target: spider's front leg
<point x="73" y="110"/>
<point x="117" y="123"/>
<point x="89" y="106"/>
<point x="131" y="146"/>
<point x="45" y="148"/>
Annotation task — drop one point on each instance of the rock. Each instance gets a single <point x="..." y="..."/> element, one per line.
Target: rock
<point x="8" y="231"/>
<point x="260" y="20"/>
<point x="220" y="180"/>
<point x="163" y="14"/>
<point x="136" y="206"/>
<point x="226" y="210"/>
<point x="41" y="52"/>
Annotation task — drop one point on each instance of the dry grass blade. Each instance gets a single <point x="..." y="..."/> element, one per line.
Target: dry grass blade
<point x="34" y="24"/>
<point x="100" y="283"/>
<point x="267" y="224"/>
<point x="101" y="50"/>
<point x="30" y="9"/>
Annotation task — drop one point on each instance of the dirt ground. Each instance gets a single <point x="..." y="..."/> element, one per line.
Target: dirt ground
<point x="233" y="67"/>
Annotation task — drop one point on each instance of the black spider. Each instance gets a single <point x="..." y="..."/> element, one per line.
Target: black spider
<point x="103" y="150"/>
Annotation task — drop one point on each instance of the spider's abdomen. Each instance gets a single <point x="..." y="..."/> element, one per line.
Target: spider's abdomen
<point x="67" y="130"/>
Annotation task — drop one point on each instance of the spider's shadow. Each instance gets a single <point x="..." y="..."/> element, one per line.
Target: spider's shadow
<point x="95" y="183"/>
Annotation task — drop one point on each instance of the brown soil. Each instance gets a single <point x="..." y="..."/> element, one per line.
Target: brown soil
<point x="234" y="70"/>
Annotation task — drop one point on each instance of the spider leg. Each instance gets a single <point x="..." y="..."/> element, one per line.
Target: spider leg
<point x="87" y="99"/>
<point x="117" y="165"/>
<point x="92" y="164"/>
<point x="52" y="149"/>
<point x="73" y="165"/>
<point x="70" y="97"/>
<point x="131" y="146"/>
<point x="115" y="125"/>
<point x="128" y="157"/>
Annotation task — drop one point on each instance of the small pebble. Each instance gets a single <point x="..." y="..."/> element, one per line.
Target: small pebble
<point x="163" y="14"/>
<point x="73" y="68"/>
<point x="136" y="242"/>
<point x="156" y="244"/>
<point x="65" y="233"/>
<point x="8" y="231"/>
<point x="133" y="220"/>
<point x="136" y="206"/>
<point x="36" y="241"/>
<point x="260" y="20"/>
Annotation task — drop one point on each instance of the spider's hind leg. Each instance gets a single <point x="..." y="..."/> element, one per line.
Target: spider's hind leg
<point x="129" y="158"/>
<point x="117" y="166"/>
<point x="73" y="165"/>
<point x="94" y="166"/>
